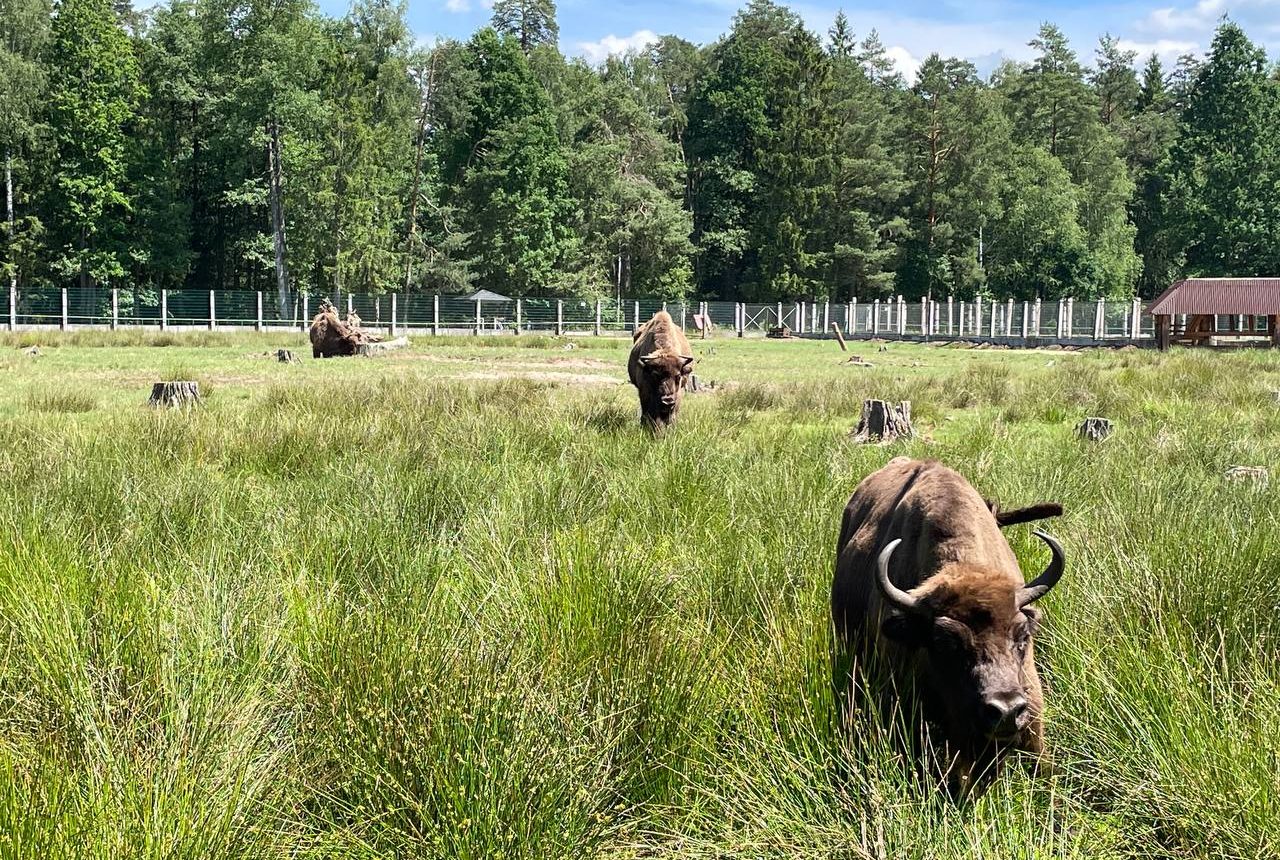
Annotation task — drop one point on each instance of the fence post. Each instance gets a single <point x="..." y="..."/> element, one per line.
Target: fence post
<point x="394" y="302"/>
<point x="1026" y="319"/>
<point x="1008" y="319"/>
<point x="779" y="314"/>
<point x="164" y="310"/>
<point x="1036" y="315"/>
<point x="479" y="319"/>
<point x="351" y="304"/>
<point x="559" y="317"/>
<point x="1099" y="318"/>
<point x="13" y="307"/>
<point x="851" y="311"/>
<point x="1071" y="316"/>
<point x="213" y="311"/>
<point x="684" y="316"/>
<point x="305" y="314"/>
<point x="951" y="301"/>
<point x="875" y="317"/>
<point x="742" y="320"/>
<point x="924" y="316"/>
<point x="258" y="324"/>
<point x="62" y="324"/>
<point x="635" y="316"/>
<point x="826" y="316"/>
<point x="115" y="308"/>
<point x="519" y="316"/>
<point x="597" y="317"/>
<point x="1137" y="319"/>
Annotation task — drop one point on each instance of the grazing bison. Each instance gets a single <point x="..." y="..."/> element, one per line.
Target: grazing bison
<point x="330" y="336"/>
<point x="928" y="594"/>
<point x="660" y="365"/>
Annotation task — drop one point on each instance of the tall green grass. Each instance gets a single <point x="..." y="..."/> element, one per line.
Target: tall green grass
<point x="414" y="617"/>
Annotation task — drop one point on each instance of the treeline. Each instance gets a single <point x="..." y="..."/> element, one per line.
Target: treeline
<point x="256" y="144"/>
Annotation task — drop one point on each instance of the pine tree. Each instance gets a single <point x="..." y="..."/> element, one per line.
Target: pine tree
<point x="531" y="22"/>
<point x="1224" y="186"/>
<point x="1115" y="82"/>
<point x="840" y="41"/>
<point x="505" y="172"/>
<point x="93" y="97"/>
<point x="1154" y="128"/>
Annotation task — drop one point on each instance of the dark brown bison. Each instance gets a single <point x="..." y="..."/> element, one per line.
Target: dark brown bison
<point x="928" y="599"/>
<point x="660" y="365"/>
<point x="331" y="336"/>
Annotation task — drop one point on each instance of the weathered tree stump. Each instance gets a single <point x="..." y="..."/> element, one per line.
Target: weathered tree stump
<point x="1094" y="429"/>
<point x="175" y="395"/>
<point x="379" y="347"/>
<point x="778" y="332"/>
<point x="285" y="356"/>
<point x="884" y="422"/>
<point x="32" y="352"/>
<point x="1257" y="474"/>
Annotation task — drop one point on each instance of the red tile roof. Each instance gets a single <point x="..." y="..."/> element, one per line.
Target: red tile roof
<point x="1259" y="296"/>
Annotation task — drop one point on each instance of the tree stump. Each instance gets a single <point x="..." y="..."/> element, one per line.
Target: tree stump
<point x="884" y="422"/>
<point x="778" y="332"/>
<point x="1257" y="474"/>
<point x="175" y="395"/>
<point x="1094" y="429"/>
<point x="285" y="356"/>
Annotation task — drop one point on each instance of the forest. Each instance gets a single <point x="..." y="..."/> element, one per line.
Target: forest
<point x="261" y="145"/>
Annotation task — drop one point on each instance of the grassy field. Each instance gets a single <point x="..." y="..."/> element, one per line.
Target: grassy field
<point x="454" y="603"/>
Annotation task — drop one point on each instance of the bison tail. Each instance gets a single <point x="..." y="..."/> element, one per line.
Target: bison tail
<point x="1034" y="513"/>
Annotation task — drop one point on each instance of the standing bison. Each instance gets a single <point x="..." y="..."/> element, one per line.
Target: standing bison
<point x="928" y="598"/>
<point x="660" y="365"/>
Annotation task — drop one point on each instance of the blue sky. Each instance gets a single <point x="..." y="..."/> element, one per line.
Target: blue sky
<point x="981" y="30"/>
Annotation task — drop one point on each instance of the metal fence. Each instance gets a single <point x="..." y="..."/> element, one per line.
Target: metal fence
<point x="1007" y="321"/>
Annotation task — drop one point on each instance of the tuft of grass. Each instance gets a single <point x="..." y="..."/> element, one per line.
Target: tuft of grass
<point x="61" y="399"/>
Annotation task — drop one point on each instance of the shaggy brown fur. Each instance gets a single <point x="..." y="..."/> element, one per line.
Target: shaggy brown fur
<point x="660" y="364"/>
<point x="330" y="336"/>
<point x="972" y="650"/>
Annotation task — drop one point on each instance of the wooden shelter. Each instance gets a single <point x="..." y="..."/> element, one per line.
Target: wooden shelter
<point x="1197" y="311"/>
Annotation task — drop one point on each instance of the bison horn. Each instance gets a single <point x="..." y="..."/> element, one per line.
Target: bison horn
<point x="687" y="359"/>
<point x="896" y="597"/>
<point x="1044" y="583"/>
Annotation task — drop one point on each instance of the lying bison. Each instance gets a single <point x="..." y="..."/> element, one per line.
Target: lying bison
<point x="660" y="365"/>
<point x="928" y="598"/>
<point x="331" y="336"/>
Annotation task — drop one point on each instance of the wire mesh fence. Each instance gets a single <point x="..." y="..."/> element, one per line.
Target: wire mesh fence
<point x="889" y="317"/>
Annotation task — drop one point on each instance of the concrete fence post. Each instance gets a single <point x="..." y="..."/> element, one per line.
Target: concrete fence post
<point x="1137" y="318"/>
<point x="684" y="314"/>
<point x="799" y="315"/>
<point x="951" y="315"/>
<point x="1026" y="319"/>
<point x="875" y="317"/>
<point x="994" y="330"/>
<point x="394" y="303"/>
<point x="851" y="324"/>
<point x="635" y="315"/>
<point x="306" y="316"/>
<point x="63" y="322"/>
<point x="13" y="307"/>
<point x="597" y="317"/>
<point x="1008" y="319"/>
<point x="479" y="324"/>
<point x="1036" y="318"/>
<point x="960" y="327"/>
<point x="164" y="310"/>
<point x="924" y="317"/>
<point x="1099" y="318"/>
<point x="1071" y="317"/>
<point x="258" y="325"/>
<point x="115" y="308"/>
<point x="351" y="304"/>
<point x="742" y="320"/>
<point x="559" y="317"/>
<point x="779" y="314"/>
<point x="213" y="311"/>
<point x="519" y="317"/>
<point x="977" y="316"/>
<point x="826" y="316"/>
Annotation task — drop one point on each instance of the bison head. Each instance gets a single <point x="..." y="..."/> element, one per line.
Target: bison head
<point x="667" y="373"/>
<point x="972" y="631"/>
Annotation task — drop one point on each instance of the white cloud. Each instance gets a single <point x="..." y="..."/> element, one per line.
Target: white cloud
<point x="611" y="45"/>
<point x="1167" y="50"/>
<point x="903" y="60"/>
<point x="458" y="5"/>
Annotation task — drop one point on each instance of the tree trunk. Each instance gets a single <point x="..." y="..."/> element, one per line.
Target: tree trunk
<point x="882" y="422"/>
<point x="277" y="215"/>
<point x="10" y="221"/>
<point x="416" y="191"/>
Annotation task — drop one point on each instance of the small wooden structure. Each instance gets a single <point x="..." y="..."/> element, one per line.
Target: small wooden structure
<point x="1192" y="311"/>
